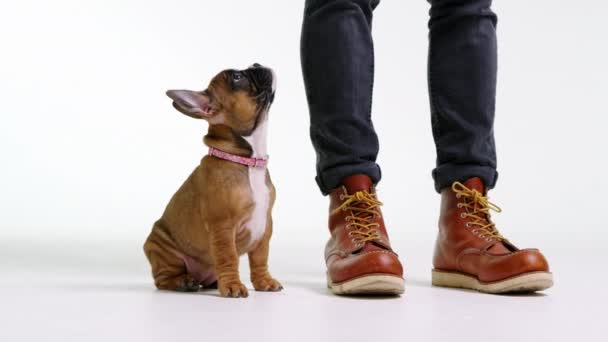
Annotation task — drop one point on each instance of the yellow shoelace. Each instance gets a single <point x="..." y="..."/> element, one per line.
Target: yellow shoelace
<point x="478" y="210"/>
<point x="363" y="206"/>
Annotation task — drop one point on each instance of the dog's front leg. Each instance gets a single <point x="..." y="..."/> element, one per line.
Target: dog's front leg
<point x="226" y="261"/>
<point x="258" y="265"/>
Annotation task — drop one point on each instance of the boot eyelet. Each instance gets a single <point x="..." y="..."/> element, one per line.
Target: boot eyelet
<point x="481" y="236"/>
<point x="457" y="195"/>
<point x="474" y="231"/>
<point x="489" y="239"/>
<point x="459" y="205"/>
<point x="462" y="215"/>
<point x="347" y="218"/>
<point x="344" y="209"/>
<point x="350" y="234"/>
<point x="468" y="225"/>
<point x="341" y="197"/>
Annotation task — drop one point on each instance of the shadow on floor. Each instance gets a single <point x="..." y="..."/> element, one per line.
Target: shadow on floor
<point x="320" y="287"/>
<point x="512" y="294"/>
<point x="119" y="287"/>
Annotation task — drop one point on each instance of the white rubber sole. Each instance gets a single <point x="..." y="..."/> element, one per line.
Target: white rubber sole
<point x="379" y="284"/>
<point x="529" y="282"/>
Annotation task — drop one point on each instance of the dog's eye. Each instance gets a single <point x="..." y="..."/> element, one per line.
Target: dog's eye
<point x="237" y="76"/>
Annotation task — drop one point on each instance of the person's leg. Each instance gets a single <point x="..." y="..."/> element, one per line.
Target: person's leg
<point x="470" y="252"/>
<point x="338" y="67"/>
<point x="462" y="89"/>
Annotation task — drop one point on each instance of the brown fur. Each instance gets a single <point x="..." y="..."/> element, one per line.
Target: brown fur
<point x="202" y="233"/>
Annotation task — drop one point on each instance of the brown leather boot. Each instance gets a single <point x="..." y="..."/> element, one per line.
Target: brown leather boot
<point x="358" y="255"/>
<point x="470" y="252"/>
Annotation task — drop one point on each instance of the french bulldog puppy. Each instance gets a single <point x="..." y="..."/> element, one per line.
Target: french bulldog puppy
<point x="223" y="210"/>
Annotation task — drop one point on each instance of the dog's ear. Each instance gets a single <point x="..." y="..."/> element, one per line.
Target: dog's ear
<point x="196" y="104"/>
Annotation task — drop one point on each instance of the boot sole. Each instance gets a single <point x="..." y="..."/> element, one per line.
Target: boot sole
<point x="528" y="282"/>
<point x="376" y="284"/>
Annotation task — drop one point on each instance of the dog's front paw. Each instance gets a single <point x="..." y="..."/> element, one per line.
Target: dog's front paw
<point x="267" y="283"/>
<point x="232" y="289"/>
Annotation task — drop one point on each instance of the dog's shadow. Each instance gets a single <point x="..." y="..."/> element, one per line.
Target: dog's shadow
<point x="107" y="288"/>
<point x="131" y="288"/>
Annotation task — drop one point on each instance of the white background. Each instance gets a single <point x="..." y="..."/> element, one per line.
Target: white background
<point x="91" y="151"/>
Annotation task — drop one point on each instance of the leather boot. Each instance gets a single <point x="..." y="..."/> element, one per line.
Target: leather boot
<point x="471" y="253"/>
<point x="359" y="257"/>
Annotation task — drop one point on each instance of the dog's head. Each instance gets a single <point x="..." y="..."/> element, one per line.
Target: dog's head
<point x="239" y="99"/>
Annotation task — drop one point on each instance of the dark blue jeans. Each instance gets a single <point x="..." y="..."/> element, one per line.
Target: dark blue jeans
<point x="338" y="66"/>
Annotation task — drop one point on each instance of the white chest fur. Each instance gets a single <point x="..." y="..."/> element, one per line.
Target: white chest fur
<point x="257" y="181"/>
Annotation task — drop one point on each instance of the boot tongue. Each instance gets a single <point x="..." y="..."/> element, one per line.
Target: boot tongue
<point x="356" y="183"/>
<point x="475" y="183"/>
<point x="499" y="248"/>
<point x="371" y="247"/>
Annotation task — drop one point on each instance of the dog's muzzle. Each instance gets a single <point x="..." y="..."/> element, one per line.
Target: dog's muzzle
<point x="261" y="77"/>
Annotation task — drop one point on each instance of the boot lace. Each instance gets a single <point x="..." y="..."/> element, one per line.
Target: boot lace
<point x="364" y="210"/>
<point x="477" y="208"/>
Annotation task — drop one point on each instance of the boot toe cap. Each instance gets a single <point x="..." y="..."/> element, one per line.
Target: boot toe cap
<point x="364" y="263"/>
<point x="500" y="267"/>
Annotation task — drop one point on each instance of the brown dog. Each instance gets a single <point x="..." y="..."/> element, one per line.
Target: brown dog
<point x="223" y="210"/>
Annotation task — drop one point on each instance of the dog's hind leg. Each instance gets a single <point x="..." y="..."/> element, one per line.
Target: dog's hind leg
<point x="168" y="266"/>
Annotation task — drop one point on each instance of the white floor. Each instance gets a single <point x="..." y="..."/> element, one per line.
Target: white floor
<point x="54" y="297"/>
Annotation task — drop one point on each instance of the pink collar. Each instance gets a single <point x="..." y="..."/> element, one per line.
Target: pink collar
<point x="251" y="162"/>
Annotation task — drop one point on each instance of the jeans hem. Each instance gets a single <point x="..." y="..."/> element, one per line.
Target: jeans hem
<point x="445" y="175"/>
<point x="330" y="179"/>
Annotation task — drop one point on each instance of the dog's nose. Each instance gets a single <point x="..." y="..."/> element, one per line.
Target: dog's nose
<point x="256" y="65"/>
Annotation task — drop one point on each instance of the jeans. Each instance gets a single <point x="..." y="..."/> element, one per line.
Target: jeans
<point x="337" y="58"/>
